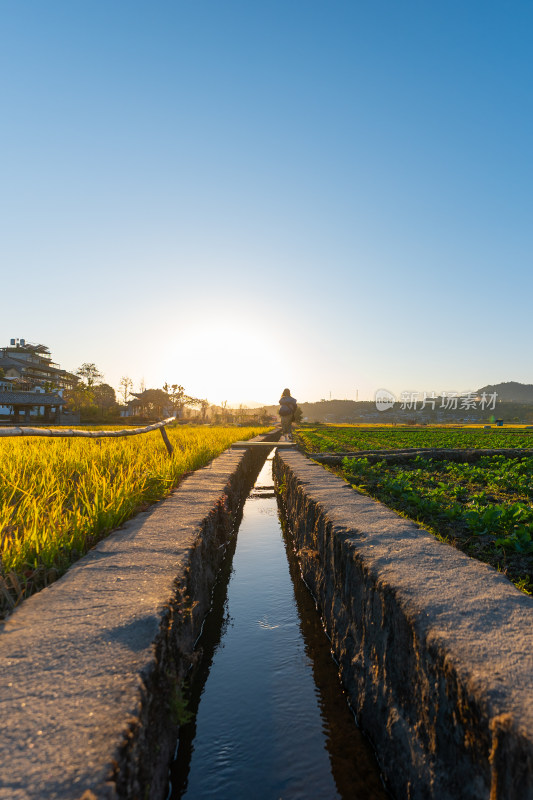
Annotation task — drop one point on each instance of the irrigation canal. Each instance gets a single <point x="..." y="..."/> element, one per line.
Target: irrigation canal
<point x="268" y="717"/>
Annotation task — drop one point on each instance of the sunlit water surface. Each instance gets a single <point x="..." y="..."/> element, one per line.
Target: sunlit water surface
<point x="271" y="722"/>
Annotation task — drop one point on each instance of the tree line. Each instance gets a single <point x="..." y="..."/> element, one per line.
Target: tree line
<point x="96" y="400"/>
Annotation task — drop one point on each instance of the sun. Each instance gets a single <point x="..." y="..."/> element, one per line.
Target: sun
<point x="228" y="361"/>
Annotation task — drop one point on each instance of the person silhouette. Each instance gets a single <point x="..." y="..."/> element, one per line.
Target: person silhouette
<point x="287" y="407"/>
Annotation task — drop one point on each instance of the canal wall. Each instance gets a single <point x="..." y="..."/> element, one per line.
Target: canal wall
<point x="434" y="648"/>
<point x="92" y="667"/>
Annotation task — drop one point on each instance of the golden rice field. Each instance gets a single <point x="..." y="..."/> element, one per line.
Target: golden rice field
<point x="58" y="497"/>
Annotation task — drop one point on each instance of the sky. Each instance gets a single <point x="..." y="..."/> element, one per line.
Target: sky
<point x="240" y="197"/>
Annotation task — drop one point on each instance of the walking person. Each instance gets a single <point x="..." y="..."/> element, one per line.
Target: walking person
<point x="287" y="407"/>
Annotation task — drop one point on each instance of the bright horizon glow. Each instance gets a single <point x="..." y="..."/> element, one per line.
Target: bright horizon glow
<point x="239" y="362"/>
<point x="240" y="197"/>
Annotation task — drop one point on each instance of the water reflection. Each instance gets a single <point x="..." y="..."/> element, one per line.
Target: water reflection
<point x="270" y="719"/>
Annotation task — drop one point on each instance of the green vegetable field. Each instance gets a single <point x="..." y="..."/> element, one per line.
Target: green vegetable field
<point x="349" y="438"/>
<point x="483" y="508"/>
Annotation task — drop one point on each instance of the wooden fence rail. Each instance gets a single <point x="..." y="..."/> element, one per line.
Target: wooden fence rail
<point x="70" y="432"/>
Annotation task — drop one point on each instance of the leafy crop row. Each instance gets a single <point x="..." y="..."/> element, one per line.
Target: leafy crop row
<point x="333" y="438"/>
<point x="485" y="509"/>
<point x="60" y="496"/>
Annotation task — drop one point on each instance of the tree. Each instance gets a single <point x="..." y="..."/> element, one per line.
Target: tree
<point x="80" y="398"/>
<point x="126" y="385"/>
<point x="176" y="393"/>
<point x="104" y="397"/>
<point x="90" y="374"/>
<point x="179" y="399"/>
<point x="154" y="403"/>
<point x="204" y="405"/>
<point x="264" y="416"/>
<point x="224" y="410"/>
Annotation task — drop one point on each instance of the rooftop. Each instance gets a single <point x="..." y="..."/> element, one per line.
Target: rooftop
<point x="28" y="347"/>
<point x="30" y="399"/>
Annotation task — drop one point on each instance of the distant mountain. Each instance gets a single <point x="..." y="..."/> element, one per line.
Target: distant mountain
<point x="514" y="404"/>
<point x="510" y="392"/>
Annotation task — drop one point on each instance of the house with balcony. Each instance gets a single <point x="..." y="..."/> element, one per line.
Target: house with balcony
<point x="30" y="365"/>
<point x="31" y="384"/>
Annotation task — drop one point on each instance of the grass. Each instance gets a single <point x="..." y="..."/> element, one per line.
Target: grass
<point x="58" y="497"/>
<point x="483" y="508"/>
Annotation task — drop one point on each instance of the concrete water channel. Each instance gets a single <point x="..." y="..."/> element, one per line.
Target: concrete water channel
<point x="269" y="717"/>
<point x="434" y="648"/>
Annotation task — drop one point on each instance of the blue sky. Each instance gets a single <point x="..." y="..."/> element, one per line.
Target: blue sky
<point x="243" y="196"/>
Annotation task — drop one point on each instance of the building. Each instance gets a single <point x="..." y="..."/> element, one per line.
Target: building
<point x="30" y="366"/>
<point x="152" y="403"/>
<point x="31" y="384"/>
<point x="47" y="404"/>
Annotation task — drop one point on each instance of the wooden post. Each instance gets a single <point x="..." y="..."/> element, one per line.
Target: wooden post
<point x="166" y="441"/>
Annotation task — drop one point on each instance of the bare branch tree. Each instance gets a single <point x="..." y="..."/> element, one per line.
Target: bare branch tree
<point x="126" y="385"/>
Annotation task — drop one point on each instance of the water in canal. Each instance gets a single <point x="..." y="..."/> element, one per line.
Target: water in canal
<point x="269" y="718"/>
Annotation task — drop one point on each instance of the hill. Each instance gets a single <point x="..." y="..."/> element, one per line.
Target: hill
<point x="514" y="403"/>
<point x="510" y="392"/>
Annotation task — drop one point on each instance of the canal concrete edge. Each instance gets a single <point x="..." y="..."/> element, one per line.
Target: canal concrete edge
<point x="92" y="666"/>
<point x="435" y="649"/>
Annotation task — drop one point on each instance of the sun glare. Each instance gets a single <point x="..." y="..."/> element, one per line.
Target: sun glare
<point x="229" y="362"/>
